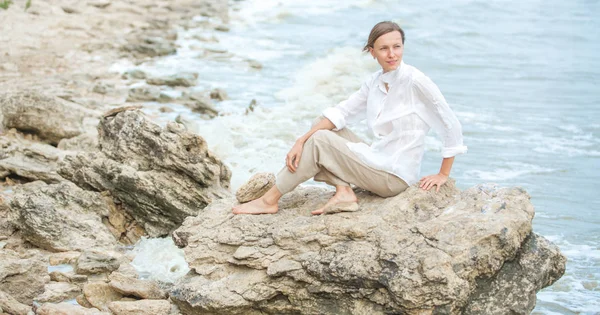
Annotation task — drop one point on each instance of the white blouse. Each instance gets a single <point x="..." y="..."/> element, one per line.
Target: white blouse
<point x="399" y="120"/>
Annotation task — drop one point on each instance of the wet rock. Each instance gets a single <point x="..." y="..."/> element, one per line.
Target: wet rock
<point x="67" y="309"/>
<point x="10" y="305"/>
<point x="255" y="64"/>
<point x="57" y="292"/>
<point x="128" y="286"/>
<point x="218" y="94"/>
<point x="134" y="74"/>
<point x="51" y="118"/>
<point x="103" y="88"/>
<point x="151" y="46"/>
<point x="61" y="217"/>
<point x="181" y="79"/>
<point x="203" y="106"/>
<point x="70" y="10"/>
<point x="143" y="94"/>
<point x="93" y="261"/>
<point x="22" y="276"/>
<point x="523" y="276"/>
<point x="28" y="159"/>
<point x="141" y="307"/>
<point x="160" y="175"/>
<point x="415" y="253"/>
<point x="165" y="109"/>
<point x="99" y="294"/>
<point x="255" y="187"/>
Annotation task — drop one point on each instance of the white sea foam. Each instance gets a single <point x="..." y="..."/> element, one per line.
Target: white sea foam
<point x="159" y="259"/>
<point x="508" y="171"/>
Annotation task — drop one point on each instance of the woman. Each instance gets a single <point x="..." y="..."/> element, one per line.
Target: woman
<point x="400" y="105"/>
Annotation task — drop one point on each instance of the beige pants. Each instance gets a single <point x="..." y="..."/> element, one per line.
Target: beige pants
<point x="327" y="158"/>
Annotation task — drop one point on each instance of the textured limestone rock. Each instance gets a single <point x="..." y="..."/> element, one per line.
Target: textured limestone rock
<point x="51" y="118"/>
<point x="255" y="187"/>
<point x="61" y="217"/>
<point x="10" y="305"/>
<point x="67" y="309"/>
<point x="57" y="292"/>
<point x="68" y="277"/>
<point x="144" y="289"/>
<point x="141" y="307"/>
<point x="28" y="159"/>
<point x="417" y="253"/>
<point x="160" y="175"/>
<point x="22" y="275"/>
<point x="94" y="261"/>
<point x="99" y="294"/>
<point x="150" y="46"/>
<point x="143" y="94"/>
<point x="180" y="79"/>
<point x="218" y="94"/>
<point x="8" y="220"/>
<point x="63" y="258"/>
<point x="83" y="142"/>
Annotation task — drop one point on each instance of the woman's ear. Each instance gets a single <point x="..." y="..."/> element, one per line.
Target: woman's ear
<point x="372" y="51"/>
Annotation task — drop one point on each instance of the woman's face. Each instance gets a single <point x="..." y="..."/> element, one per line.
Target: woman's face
<point x="388" y="49"/>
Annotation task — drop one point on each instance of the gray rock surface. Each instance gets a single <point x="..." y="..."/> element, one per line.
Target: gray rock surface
<point x="61" y="217"/>
<point x="162" y="175"/>
<point x="10" y="305"/>
<point x="417" y="253"/>
<point x="28" y="159"/>
<point x="51" y="118"/>
<point x="255" y="187"/>
<point x="22" y="275"/>
<point x="151" y="46"/>
<point x="145" y="289"/>
<point x="181" y="79"/>
<point x="95" y="261"/>
<point x="141" y="307"/>
<point x="67" y="309"/>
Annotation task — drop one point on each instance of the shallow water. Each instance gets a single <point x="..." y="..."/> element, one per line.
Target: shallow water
<point x="523" y="78"/>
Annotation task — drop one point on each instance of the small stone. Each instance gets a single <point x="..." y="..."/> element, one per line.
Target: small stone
<point x="181" y="79"/>
<point x="70" y="10"/>
<point x="222" y="28"/>
<point x="143" y="94"/>
<point x="66" y="309"/>
<point x="92" y="262"/>
<point x="165" y="109"/>
<point x="63" y="258"/>
<point x="128" y="286"/>
<point x="255" y="187"/>
<point x="218" y="94"/>
<point x="134" y="74"/>
<point x="101" y="4"/>
<point x="58" y="292"/>
<point x="255" y="64"/>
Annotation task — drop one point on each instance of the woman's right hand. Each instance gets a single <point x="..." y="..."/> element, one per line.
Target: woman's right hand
<point x="292" y="159"/>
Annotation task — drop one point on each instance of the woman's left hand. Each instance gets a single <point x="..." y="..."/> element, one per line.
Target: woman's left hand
<point x="428" y="182"/>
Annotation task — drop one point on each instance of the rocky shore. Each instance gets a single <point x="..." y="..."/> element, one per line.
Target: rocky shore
<point x="84" y="173"/>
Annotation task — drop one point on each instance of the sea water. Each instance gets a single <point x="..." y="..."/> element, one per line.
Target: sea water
<point x="523" y="77"/>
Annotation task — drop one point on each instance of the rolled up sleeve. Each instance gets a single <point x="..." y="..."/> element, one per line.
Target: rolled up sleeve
<point x="438" y="114"/>
<point x="351" y="110"/>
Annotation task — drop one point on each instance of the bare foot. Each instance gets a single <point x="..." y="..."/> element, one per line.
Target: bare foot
<point x="340" y="197"/>
<point x="257" y="206"/>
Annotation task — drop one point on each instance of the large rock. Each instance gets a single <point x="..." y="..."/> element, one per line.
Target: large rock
<point x="22" y="275"/>
<point x="417" y="253"/>
<point x="57" y="292"/>
<point x="255" y="187"/>
<point x="100" y="294"/>
<point x="161" y="175"/>
<point x="62" y="217"/>
<point x="94" y="261"/>
<point x="181" y="79"/>
<point x="141" y="307"/>
<point x="145" y="289"/>
<point x="49" y="117"/>
<point x="10" y="305"/>
<point x="67" y="309"/>
<point x="29" y="159"/>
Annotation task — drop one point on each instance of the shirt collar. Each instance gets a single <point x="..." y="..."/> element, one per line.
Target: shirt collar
<point x="391" y="76"/>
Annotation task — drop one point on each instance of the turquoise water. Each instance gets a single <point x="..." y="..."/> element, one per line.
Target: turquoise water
<point x="523" y="78"/>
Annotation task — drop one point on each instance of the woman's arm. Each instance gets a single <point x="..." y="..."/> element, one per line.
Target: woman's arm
<point x="293" y="157"/>
<point x="438" y="114"/>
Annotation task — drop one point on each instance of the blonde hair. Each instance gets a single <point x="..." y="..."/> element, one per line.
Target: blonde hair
<point x="382" y="28"/>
